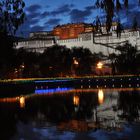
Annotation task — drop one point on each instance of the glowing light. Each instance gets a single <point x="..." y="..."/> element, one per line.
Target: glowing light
<point x="76" y="62"/>
<point x="22" y="102"/>
<point x="100" y="96"/>
<point x="22" y="66"/>
<point x="76" y="100"/>
<point x="99" y="65"/>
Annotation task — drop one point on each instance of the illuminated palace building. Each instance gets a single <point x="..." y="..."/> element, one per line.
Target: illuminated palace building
<point x="80" y="35"/>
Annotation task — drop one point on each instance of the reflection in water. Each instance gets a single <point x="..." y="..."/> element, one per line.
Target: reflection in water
<point x="22" y="101"/>
<point x="52" y="90"/>
<point x="76" y="100"/>
<point x="100" y="96"/>
<point x="96" y="109"/>
<point x="129" y="104"/>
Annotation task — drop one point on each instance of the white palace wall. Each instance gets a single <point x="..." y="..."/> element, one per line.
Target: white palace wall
<point x="101" y="43"/>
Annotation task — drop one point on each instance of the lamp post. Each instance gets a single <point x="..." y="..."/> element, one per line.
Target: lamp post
<point x="100" y="67"/>
<point x="74" y="66"/>
<point x="21" y="69"/>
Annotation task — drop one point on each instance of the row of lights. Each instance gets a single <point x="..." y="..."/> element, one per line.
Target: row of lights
<point x="112" y="86"/>
<point x="88" y="86"/>
<point x="109" y="79"/>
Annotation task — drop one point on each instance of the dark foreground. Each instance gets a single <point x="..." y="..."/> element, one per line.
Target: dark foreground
<point x="60" y="110"/>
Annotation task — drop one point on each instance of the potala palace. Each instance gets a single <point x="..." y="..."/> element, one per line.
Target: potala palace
<point x="80" y="35"/>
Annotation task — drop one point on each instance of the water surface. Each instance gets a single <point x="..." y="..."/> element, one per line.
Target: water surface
<point x="75" y="114"/>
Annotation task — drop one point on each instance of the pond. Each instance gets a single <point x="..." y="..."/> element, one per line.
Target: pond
<point x="59" y="113"/>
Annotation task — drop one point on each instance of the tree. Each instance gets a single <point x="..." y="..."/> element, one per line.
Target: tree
<point x="55" y="61"/>
<point x="30" y="60"/>
<point x="135" y="24"/>
<point x="128" y="103"/>
<point x="126" y="62"/>
<point x="84" y="58"/>
<point x="11" y="17"/>
<point x="112" y="57"/>
<point x="110" y="7"/>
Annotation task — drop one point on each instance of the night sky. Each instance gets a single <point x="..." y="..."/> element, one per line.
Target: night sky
<point x="43" y="15"/>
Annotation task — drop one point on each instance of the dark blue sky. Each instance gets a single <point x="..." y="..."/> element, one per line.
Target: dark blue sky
<point x="42" y="15"/>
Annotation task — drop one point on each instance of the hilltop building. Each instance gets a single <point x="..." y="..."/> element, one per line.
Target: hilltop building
<point x="80" y="35"/>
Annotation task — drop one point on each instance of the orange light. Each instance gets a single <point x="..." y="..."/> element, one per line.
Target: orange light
<point x="99" y="65"/>
<point x="100" y="96"/>
<point x="22" y="102"/>
<point x="76" y="62"/>
<point x="76" y="100"/>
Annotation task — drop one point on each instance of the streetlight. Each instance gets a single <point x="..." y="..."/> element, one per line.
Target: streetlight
<point x="99" y="68"/>
<point x="74" y="66"/>
<point x="22" y="66"/>
<point x="99" y="65"/>
<point x="75" y="62"/>
<point x="21" y="69"/>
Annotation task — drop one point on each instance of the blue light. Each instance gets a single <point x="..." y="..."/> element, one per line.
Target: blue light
<point x="53" y="90"/>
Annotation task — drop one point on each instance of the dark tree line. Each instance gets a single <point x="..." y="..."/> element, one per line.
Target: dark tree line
<point x="127" y="60"/>
<point x="11" y="17"/>
<point x="60" y="61"/>
<point x="56" y="61"/>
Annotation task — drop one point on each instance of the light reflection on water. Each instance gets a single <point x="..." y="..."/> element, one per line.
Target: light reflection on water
<point x="97" y="113"/>
<point x="100" y="96"/>
<point x="22" y="101"/>
<point x="52" y="90"/>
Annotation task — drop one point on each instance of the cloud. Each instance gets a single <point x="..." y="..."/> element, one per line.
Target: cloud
<point x="53" y="21"/>
<point x="64" y="9"/>
<point x="30" y="24"/>
<point x="77" y="15"/>
<point x="90" y="8"/>
<point x="33" y="8"/>
<point x="37" y="28"/>
<point x="44" y="14"/>
<point x="33" y="15"/>
<point x="32" y="21"/>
